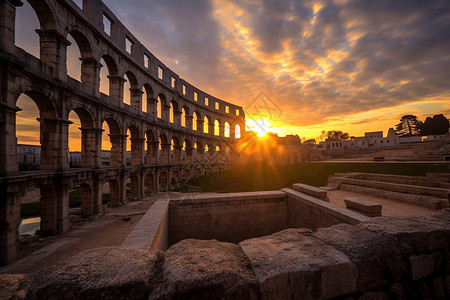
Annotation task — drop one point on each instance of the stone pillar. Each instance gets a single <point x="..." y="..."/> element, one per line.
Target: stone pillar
<point x="152" y="147"/>
<point x="200" y="125"/>
<point x="136" y="99"/>
<point x="211" y="154"/>
<point x="116" y="89"/>
<point x="54" y="51"/>
<point x="54" y="143"/>
<point x="221" y="130"/>
<point x="90" y="74"/>
<point x="189" y="157"/>
<point x="8" y="143"/>
<point x="7" y="24"/>
<point x="211" y="128"/>
<point x="165" y="112"/>
<point x="189" y="121"/>
<point x="177" y="117"/>
<point x="87" y="200"/>
<point x="165" y="153"/>
<point x="151" y="108"/>
<point x="177" y="154"/>
<point x="91" y="147"/>
<point x="62" y="207"/>
<point x="137" y="151"/>
<point x="136" y="186"/>
<point x="9" y="229"/>
<point x="118" y="146"/>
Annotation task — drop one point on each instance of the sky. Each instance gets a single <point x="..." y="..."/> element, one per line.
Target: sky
<point x="350" y="65"/>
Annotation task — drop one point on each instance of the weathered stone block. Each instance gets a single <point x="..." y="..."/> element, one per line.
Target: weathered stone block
<point x="376" y="256"/>
<point x="292" y="264"/>
<point x="101" y="273"/>
<point x="374" y="296"/>
<point x="422" y="266"/>
<point x="199" y="269"/>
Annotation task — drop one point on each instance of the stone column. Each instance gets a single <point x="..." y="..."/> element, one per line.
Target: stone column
<point x="116" y="89"/>
<point x="189" y="156"/>
<point x="189" y="121"/>
<point x="177" y="154"/>
<point x="137" y="153"/>
<point x="152" y="147"/>
<point x="165" y="153"/>
<point x="62" y="207"/>
<point x="54" y="51"/>
<point x="7" y="24"/>
<point x="9" y="229"/>
<point x="200" y="125"/>
<point x="177" y="117"/>
<point x="90" y="74"/>
<point x="136" y="99"/>
<point x="8" y="142"/>
<point x="118" y="144"/>
<point x="221" y="130"/>
<point x="165" y="112"/>
<point x="211" y="155"/>
<point x="90" y="147"/>
<point x="54" y="143"/>
<point x="151" y="107"/>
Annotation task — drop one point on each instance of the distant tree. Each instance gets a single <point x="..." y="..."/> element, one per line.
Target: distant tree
<point x="409" y="125"/>
<point x="436" y="125"/>
<point x="337" y="135"/>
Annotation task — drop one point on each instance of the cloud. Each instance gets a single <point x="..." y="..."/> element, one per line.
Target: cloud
<point x="318" y="59"/>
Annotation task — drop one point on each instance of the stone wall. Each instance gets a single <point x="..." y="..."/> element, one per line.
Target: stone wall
<point x="383" y="258"/>
<point x="231" y="217"/>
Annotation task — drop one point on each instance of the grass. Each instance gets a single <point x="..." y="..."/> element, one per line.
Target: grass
<point x="262" y="177"/>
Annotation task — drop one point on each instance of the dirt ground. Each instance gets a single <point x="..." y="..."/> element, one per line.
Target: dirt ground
<point x="111" y="229"/>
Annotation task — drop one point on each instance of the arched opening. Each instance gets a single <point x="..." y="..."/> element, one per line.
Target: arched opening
<point x="164" y="147"/>
<point x="216" y="127"/>
<point x="112" y="141"/>
<point x="79" y="62"/>
<point x="226" y="129"/>
<point x="27" y="134"/>
<point x="74" y="140"/>
<point x="194" y="153"/>
<point x="109" y="81"/>
<point x="171" y="114"/>
<point x="206" y="124"/>
<point x="237" y="132"/>
<point x="39" y="144"/>
<point x="159" y="106"/>
<point x="149" y="100"/>
<point x="176" y="150"/>
<point x="144" y="105"/>
<point x="217" y="154"/>
<point x="205" y="153"/>
<point x="126" y="91"/>
<point x="135" y="146"/>
<point x="183" y="117"/>
<point x="151" y="147"/>
<point x="26" y="24"/>
<point x="194" y="121"/>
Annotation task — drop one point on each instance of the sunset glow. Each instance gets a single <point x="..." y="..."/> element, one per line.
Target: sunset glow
<point x="354" y="66"/>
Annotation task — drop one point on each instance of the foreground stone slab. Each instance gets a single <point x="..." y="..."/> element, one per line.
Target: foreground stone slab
<point x="374" y="255"/>
<point x="292" y="264"/>
<point x="199" y="269"/>
<point x="101" y="273"/>
<point x="365" y="207"/>
<point x="10" y="286"/>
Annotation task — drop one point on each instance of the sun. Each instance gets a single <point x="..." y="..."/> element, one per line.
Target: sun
<point x="261" y="126"/>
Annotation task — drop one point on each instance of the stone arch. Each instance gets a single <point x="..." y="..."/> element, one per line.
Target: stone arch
<point x="197" y="121"/>
<point x="207" y="124"/>
<point x="45" y="14"/>
<point x="117" y="142"/>
<point x="149" y="99"/>
<point x="137" y="145"/>
<point x="174" y="113"/>
<point x="88" y="136"/>
<point x="176" y="149"/>
<point x="226" y="129"/>
<point x="184" y="117"/>
<point x="132" y="94"/>
<point x="160" y="106"/>
<point x="216" y="127"/>
<point x="237" y="131"/>
<point x="164" y="156"/>
<point x="112" y="79"/>
<point x="50" y="151"/>
<point x="86" y="67"/>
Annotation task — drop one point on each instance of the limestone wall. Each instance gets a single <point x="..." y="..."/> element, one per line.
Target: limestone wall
<point x="231" y="217"/>
<point x="383" y="258"/>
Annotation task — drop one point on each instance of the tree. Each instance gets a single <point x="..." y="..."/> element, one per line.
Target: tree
<point x="436" y="125"/>
<point x="337" y="135"/>
<point x="409" y="125"/>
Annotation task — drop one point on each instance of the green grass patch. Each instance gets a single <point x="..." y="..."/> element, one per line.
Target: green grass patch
<point x="263" y="177"/>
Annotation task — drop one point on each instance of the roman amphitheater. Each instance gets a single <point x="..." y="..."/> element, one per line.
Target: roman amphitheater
<point x="289" y="243"/>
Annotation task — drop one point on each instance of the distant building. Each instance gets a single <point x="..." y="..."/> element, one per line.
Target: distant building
<point x="28" y="157"/>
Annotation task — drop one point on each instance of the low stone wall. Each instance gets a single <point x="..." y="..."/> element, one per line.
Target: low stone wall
<point x="383" y="258"/>
<point x="228" y="217"/>
<point x="308" y="212"/>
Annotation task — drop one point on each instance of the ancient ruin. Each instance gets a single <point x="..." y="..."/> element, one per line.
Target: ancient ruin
<point x="167" y="141"/>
